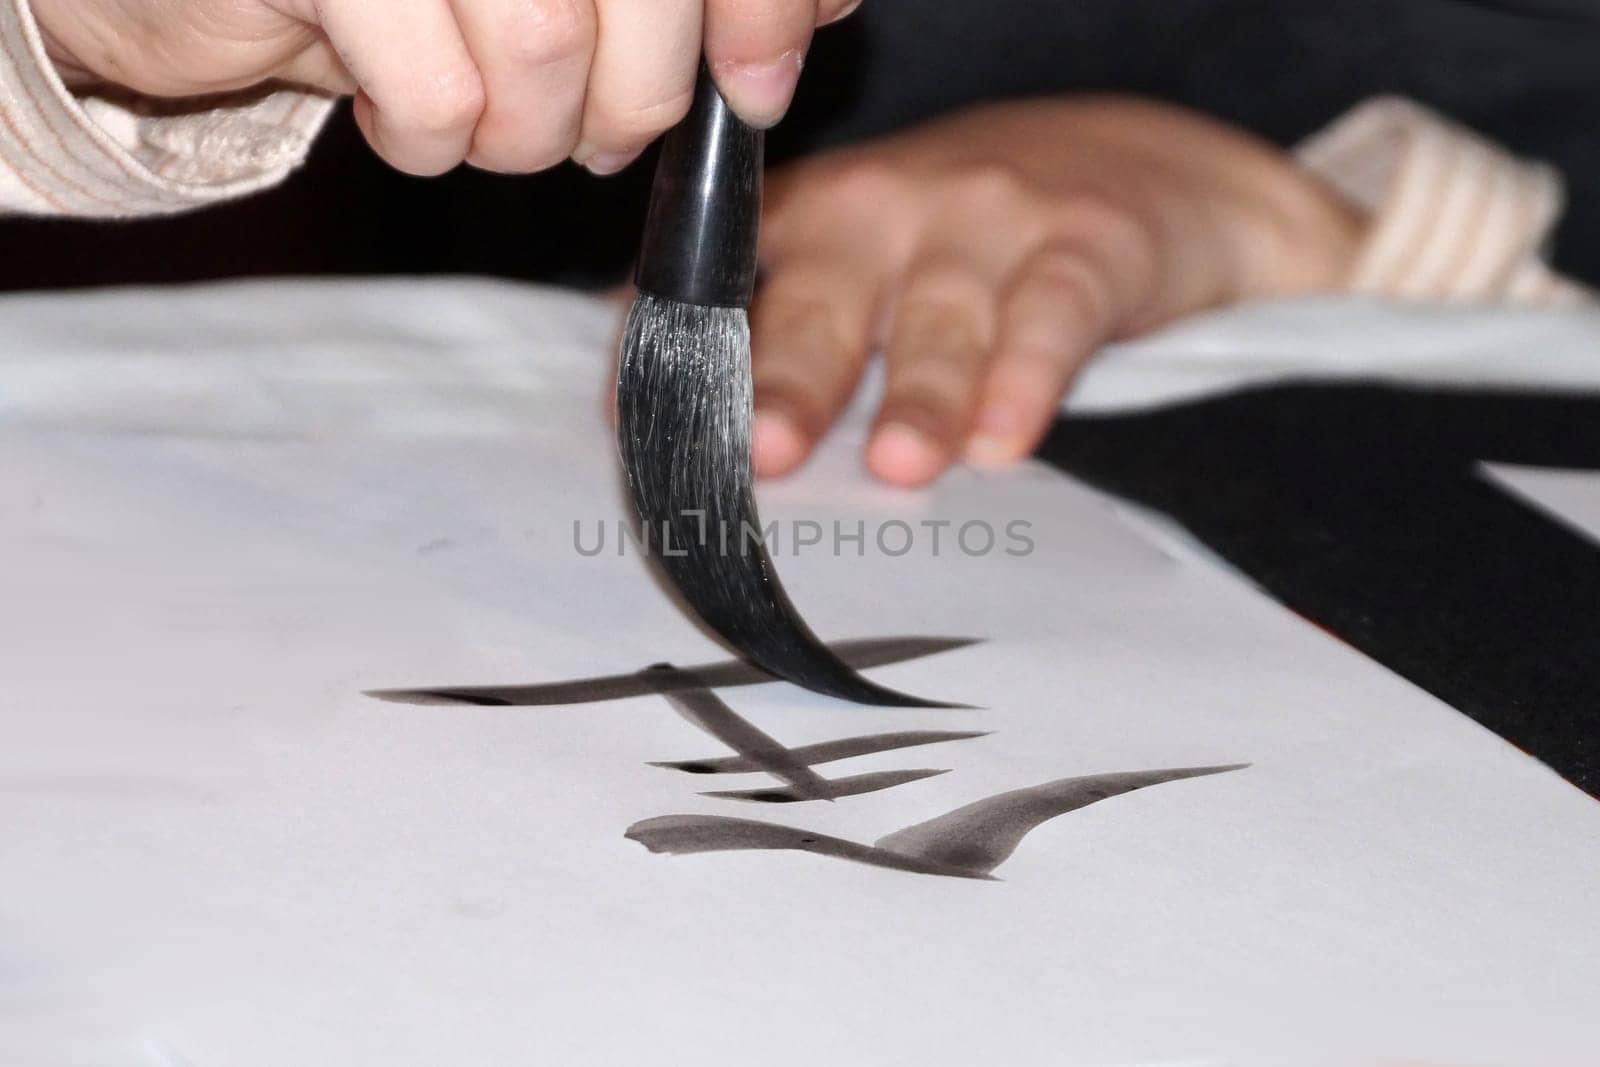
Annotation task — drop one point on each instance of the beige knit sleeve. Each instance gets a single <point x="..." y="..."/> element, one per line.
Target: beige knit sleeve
<point x="1454" y="216"/>
<point x="99" y="157"/>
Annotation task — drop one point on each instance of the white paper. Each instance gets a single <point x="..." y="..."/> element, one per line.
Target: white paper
<point x="1571" y="497"/>
<point x="226" y="512"/>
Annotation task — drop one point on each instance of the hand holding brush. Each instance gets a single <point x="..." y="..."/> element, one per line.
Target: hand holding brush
<point x="506" y="85"/>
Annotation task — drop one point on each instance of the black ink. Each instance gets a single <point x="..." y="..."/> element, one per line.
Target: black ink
<point x="1363" y="508"/>
<point x="983" y="835"/>
<point x="829" y="751"/>
<point x="706" y="710"/>
<point x="662" y="679"/>
<point x="688" y="834"/>
<point x="443" y="696"/>
<point x="759" y="752"/>
<point x="969" y="842"/>
<point x="693" y="768"/>
<point x="848" y="786"/>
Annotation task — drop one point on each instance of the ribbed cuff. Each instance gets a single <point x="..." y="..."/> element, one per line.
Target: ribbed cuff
<point x="96" y="157"/>
<point x="1454" y="217"/>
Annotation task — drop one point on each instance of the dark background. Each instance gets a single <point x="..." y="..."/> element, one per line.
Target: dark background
<point x="1527" y="72"/>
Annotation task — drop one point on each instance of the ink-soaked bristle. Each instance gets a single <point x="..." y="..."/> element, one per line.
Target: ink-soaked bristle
<point x="683" y="424"/>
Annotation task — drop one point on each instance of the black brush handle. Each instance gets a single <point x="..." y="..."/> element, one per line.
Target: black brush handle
<point x="699" y="243"/>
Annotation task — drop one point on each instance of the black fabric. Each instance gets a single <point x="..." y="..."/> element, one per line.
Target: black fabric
<point x="1524" y="71"/>
<point x="1364" y="509"/>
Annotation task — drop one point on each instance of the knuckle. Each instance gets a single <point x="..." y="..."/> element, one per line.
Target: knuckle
<point x="1060" y="268"/>
<point x="923" y="315"/>
<point x="937" y="409"/>
<point x="794" y="310"/>
<point x="861" y="184"/>
<point x="1113" y="239"/>
<point x="1092" y="208"/>
<point x="801" y="390"/>
<point x="539" y="32"/>
<point x="939" y="344"/>
<point x="945" y="288"/>
<point x="987" y="187"/>
<point x="802" y="322"/>
<point x="807" y="282"/>
<point x="1072" y="281"/>
<point x="448" y="101"/>
<point x="1108" y="222"/>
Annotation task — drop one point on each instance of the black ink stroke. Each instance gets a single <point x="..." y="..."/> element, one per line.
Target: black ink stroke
<point x="969" y="842"/>
<point x="682" y="835"/>
<point x="853" y="785"/>
<point x="983" y="835"/>
<point x="706" y="710"/>
<point x="660" y="680"/>
<point x="827" y="751"/>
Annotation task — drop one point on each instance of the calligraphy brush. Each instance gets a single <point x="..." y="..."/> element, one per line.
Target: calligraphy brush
<point x="684" y="402"/>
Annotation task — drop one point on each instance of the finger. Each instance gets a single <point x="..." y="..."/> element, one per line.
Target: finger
<point x="318" y="66"/>
<point x="534" y="58"/>
<point x="1106" y="272"/>
<point x="642" y="78"/>
<point x="843" y="203"/>
<point x="811" y="328"/>
<point x="939" y="339"/>
<point x="421" y="93"/>
<point x="754" y="49"/>
<point x="1056" y="312"/>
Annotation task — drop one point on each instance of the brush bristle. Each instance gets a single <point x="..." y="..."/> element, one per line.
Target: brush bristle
<point x="683" y="425"/>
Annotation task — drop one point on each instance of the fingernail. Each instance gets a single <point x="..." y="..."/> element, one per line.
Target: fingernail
<point x="995" y="438"/>
<point x="760" y="92"/>
<point x="845" y="11"/>
<point x="903" y="455"/>
<point x="776" y="442"/>
<point x="603" y="163"/>
<point x="849" y="9"/>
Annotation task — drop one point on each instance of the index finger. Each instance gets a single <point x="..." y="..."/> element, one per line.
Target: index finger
<point x="421" y="93"/>
<point x="755" y="49"/>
